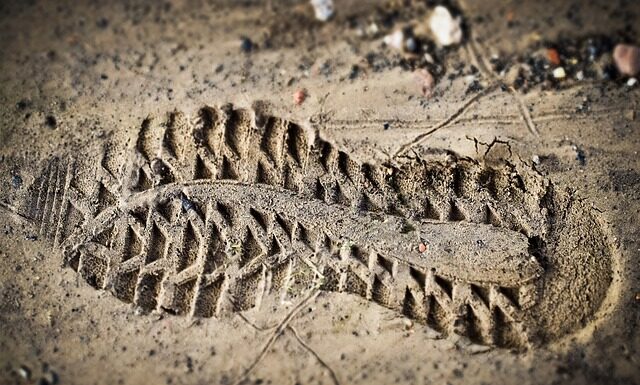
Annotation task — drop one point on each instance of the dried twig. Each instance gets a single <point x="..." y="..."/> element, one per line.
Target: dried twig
<point x="279" y="330"/>
<point x="334" y="377"/>
<point x="446" y="122"/>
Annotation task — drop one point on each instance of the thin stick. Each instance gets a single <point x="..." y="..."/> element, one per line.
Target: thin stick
<point x="334" y="377"/>
<point x="450" y="119"/>
<point x="274" y="336"/>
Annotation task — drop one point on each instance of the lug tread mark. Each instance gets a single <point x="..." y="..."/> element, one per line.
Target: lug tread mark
<point x="172" y="254"/>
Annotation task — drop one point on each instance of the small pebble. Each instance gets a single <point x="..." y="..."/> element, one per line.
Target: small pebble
<point x="559" y="73"/>
<point x="24" y="372"/>
<point x="422" y="247"/>
<point x="425" y="81"/>
<point x="553" y="56"/>
<point x="394" y="40"/>
<point x="411" y="45"/>
<point x="16" y="181"/>
<point x="246" y="45"/>
<point x="632" y="82"/>
<point x="323" y="9"/>
<point x="429" y="58"/>
<point x="627" y="59"/>
<point x="299" y="97"/>
<point x="446" y="29"/>
<point x="580" y="75"/>
<point x="373" y="29"/>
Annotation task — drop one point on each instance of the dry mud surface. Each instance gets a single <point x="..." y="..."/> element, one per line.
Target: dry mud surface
<point x="170" y="215"/>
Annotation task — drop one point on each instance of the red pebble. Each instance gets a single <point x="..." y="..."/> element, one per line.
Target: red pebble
<point x="553" y="56"/>
<point x="299" y="97"/>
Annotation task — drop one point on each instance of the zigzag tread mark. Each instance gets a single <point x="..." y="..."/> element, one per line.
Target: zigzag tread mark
<point x="195" y="256"/>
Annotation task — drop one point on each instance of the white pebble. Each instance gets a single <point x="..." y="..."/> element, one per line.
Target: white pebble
<point x="429" y="58"/>
<point x="580" y="75"/>
<point x="559" y="73"/>
<point x="632" y="82"/>
<point x="394" y="40"/>
<point x="446" y="29"/>
<point x="373" y="29"/>
<point x="24" y="372"/>
<point x="323" y="8"/>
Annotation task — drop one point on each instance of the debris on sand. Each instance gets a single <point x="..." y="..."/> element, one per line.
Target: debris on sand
<point x="553" y="56"/>
<point x="246" y="45"/>
<point x="425" y="81"/>
<point x="24" y="372"/>
<point x="559" y="73"/>
<point x="323" y="8"/>
<point x="446" y="29"/>
<point x="299" y="96"/>
<point x="402" y="40"/>
<point x="394" y="40"/>
<point x="627" y="59"/>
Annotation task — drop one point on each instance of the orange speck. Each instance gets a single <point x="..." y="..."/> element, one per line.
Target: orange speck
<point x="553" y="56"/>
<point x="422" y="247"/>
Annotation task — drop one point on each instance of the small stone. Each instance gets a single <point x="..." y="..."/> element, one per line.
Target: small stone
<point x="16" y="181"/>
<point x="627" y="59"/>
<point x="394" y="40"/>
<point x="422" y="247"/>
<point x="323" y="9"/>
<point x="425" y="81"/>
<point x="411" y="45"/>
<point x="553" y="56"/>
<point x="24" y="372"/>
<point x="299" y="96"/>
<point x="559" y="73"/>
<point x="446" y="29"/>
<point x="246" y="45"/>
<point x="477" y="349"/>
<point x="632" y="82"/>
<point x="536" y="159"/>
<point x="580" y="75"/>
<point x="373" y="29"/>
<point x="429" y="59"/>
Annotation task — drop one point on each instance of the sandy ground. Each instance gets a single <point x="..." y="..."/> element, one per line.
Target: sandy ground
<point x="78" y="77"/>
